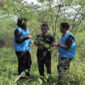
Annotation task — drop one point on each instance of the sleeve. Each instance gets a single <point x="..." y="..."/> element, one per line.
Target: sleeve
<point x="18" y="37"/>
<point x="69" y="41"/>
<point x="37" y="40"/>
<point x="52" y="39"/>
<point x="28" y="32"/>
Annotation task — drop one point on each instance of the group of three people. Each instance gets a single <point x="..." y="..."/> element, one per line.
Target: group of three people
<point x="66" y="48"/>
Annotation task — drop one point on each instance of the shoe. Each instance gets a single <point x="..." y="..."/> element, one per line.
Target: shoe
<point x="27" y="75"/>
<point x="60" y="83"/>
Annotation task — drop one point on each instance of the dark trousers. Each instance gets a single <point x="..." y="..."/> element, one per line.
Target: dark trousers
<point x="44" y="58"/>
<point x="63" y="66"/>
<point x="24" y="61"/>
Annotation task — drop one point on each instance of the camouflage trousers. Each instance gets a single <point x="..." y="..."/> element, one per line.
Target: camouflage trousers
<point x="62" y="67"/>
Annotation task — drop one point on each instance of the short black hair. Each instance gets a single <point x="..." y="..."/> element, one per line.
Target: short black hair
<point x="65" y="25"/>
<point x="20" y="22"/>
<point x="46" y="25"/>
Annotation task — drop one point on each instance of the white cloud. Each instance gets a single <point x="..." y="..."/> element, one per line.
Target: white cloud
<point x="36" y="2"/>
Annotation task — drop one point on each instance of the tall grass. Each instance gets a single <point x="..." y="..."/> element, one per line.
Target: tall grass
<point x="8" y="69"/>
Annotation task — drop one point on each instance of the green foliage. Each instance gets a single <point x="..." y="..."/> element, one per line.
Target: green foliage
<point x="7" y="31"/>
<point x="42" y="1"/>
<point x="8" y="70"/>
<point x="81" y="3"/>
<point x="67" y="2"/>
<point x="37" y="15"/>
<point x="2" y="2"/>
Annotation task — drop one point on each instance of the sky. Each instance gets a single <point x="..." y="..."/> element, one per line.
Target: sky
<point x="69" y="10"/>
<point x="35" y="1"/>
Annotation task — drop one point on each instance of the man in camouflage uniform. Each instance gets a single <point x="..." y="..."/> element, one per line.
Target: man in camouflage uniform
<point x="66" y="49"/>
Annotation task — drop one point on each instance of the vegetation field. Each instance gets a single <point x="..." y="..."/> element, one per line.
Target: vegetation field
<point x="49" y="12"/>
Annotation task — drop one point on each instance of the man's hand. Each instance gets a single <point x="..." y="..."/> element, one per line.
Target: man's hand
<point x="29" y="37"/>
<point x="55" y="43"/>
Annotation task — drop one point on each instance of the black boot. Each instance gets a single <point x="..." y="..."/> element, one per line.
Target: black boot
<point x="27" y="74"/>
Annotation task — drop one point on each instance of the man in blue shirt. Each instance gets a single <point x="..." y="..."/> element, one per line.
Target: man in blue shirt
<point x="22" y="45"/>
<point x="66" y="49"/>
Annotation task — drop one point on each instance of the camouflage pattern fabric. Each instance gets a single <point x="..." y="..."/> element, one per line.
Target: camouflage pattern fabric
<point x="62" y="67"/>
